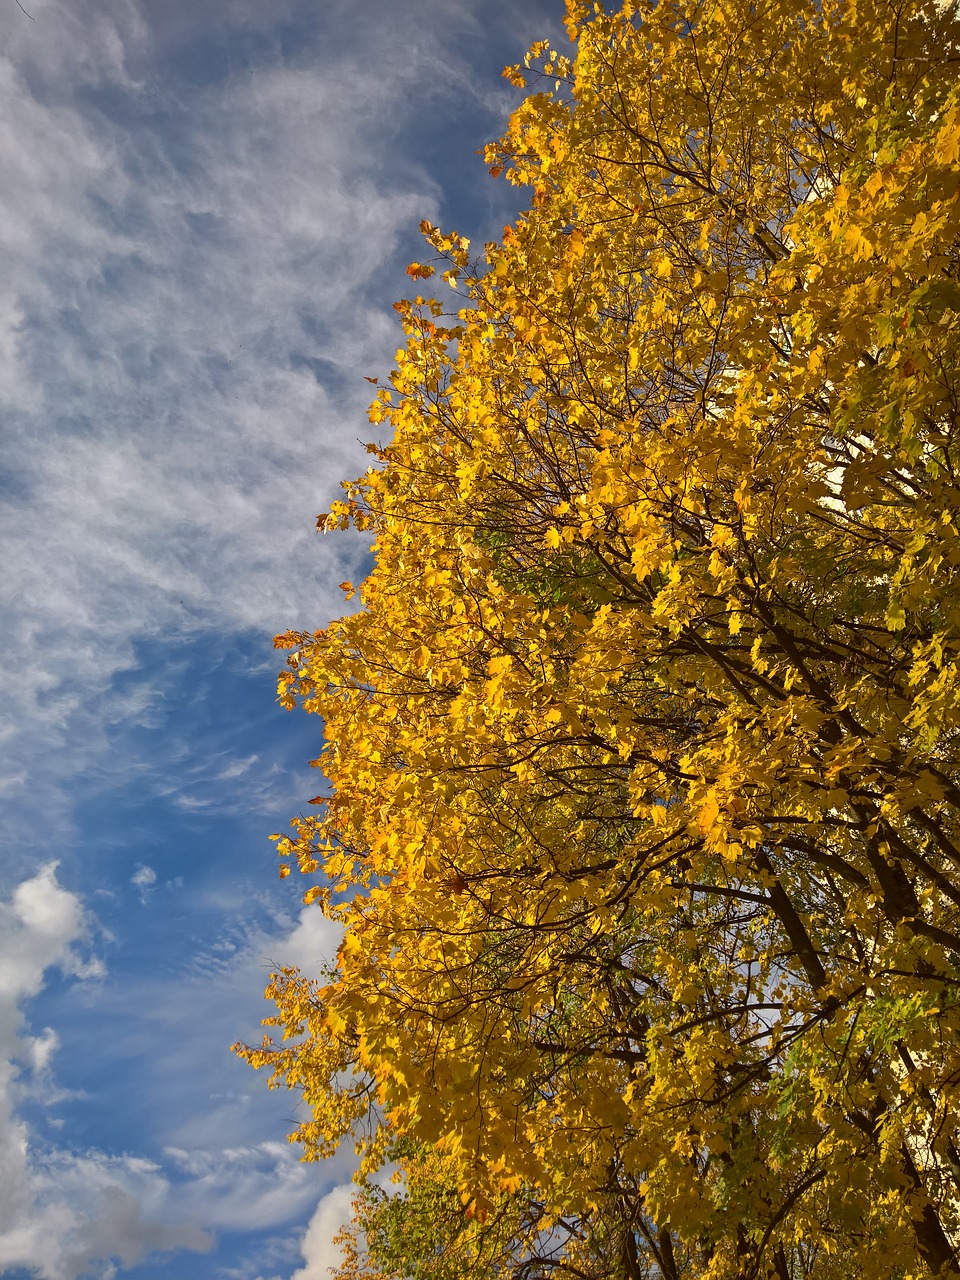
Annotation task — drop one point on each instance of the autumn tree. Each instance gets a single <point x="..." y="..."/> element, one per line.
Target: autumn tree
<point x="644" y="811"/>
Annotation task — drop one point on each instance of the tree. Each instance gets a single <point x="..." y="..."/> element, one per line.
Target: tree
<point x="644" y="823"/>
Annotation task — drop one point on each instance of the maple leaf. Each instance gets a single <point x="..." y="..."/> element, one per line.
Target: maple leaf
<point x="660" y="659"/>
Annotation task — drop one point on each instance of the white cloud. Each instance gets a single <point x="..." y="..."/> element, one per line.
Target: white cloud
<point x="193" y="285"/>
<point x="38" y="929"/>
<point x="245" y="1188"/>
<point x="40" y="1050"/>
<point x="311" y="944"/>
<point x="64" y="1212"/>
<point x="320" y="1253"/>
<point x="91" y="1212"/>
<point x="237" y="768"/>
<point x="186" y="313"/>
<point x="144" y="877"/>
<point x="61" y="1212"/>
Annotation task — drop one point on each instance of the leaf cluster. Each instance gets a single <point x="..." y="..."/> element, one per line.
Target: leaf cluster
<point x="644" y="812"/>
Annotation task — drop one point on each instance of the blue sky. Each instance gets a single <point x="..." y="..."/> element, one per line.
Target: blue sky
<point x="208" y="208"/>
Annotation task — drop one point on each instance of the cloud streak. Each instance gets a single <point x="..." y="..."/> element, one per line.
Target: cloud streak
<point x="187" y="310"/>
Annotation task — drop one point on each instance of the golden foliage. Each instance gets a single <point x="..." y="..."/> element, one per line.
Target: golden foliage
<point x="644" y="820"/>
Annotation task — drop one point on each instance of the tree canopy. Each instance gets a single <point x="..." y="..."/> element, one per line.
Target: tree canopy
<point x="643" y="820"/>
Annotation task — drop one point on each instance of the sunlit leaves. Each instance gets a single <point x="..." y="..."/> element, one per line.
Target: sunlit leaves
<point x="643" y="798"/>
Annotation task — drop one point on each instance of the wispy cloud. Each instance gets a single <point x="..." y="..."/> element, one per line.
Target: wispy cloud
<point x="237" y="768"/>
<point x="187" y="307"/>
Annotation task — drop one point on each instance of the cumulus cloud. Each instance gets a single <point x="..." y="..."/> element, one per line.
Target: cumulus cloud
<point x="320" y="1252"/>
<point x="64" y="1212"/>
<point x="38" y="929"/>
<point x="93" y="1211"/>
<point x="61" y="1212"/>
<point x="311" y="944"/>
